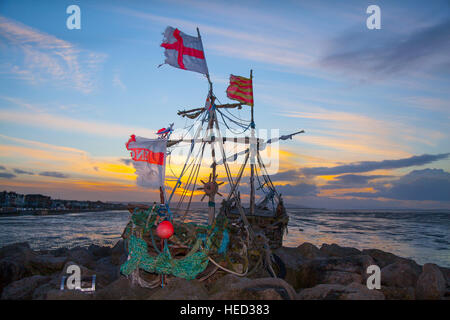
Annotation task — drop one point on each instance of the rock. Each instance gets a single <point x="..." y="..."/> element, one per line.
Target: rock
<point x="118" y="253"/>
<point x="357" y="291"/>
<point x="101" y="280"/>
<point x="321" y="292"/>
<point x="269" y="294"/>
<point x="15" y="249"/>
<point x="106" y="267"/>
<point x="446" y="274"/>
<point x="46" y="264"/>
<point x="23" y="289"/>
<point x="98" y="251"/>
<point x="40" y="293"/>
<point x="293" y="261"/>
<point x="383" y="259"/>
<point x="68" y="295"/>
<point x="396" y="293"/>
<point x="60" y="252"/>
<point x="14" y="259"/>
<point x="122" y="289"/>
<point x="399" y="274"/>
<point x="290" y="256"/>
<point x="431" y="284"/>
<point x="309" y="251"/>
<point x="247" y="294"/>
<point x="181" y="289"/>
<point x="334" y="250"/>
<point x="225" y="281"/>
<point x="82" y="257"/>
<point x="340" y="277"/>
<point x="353" y="291"/>
<point x="231" y="287"/>
<point x="10" y="271"/>
<point x="319" y="270"/>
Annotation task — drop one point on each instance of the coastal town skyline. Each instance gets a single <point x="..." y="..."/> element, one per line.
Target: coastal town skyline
<point x="374" y="103"/>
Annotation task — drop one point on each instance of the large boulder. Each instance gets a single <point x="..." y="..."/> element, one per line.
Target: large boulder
<point x="309" y="251"/>
<point x="118" y="253"/>
<point x="10" y="271"/>
<point x="383" y="258"/>
<point x="101" y="280"/>
<point x="14" y="263"/>
<point x="431" y="284"/>
<point x="56" y="294"/>
<point x="40" y="293"/>
<point x="396" y="293"/>
<point x="338" y="270"/>
<point x="353" y="291"/>
<point x="181" y="289"/>
<point x="46" y="264"/>
<point x="399" y="274"/>
<point x="82" y="256"/>
<point x="231" y="287"/>
<point x="106" y="267"/>
<point x="60" y="252"/>
<point x="23" y="289"/>
<point x="123" y="289"/>
<point x="334" y="250"/>
<point x="99" y="252"/>
<point x="17" y="250"/>
<point x="292" y="260"/>
<point x="340" y="277"/>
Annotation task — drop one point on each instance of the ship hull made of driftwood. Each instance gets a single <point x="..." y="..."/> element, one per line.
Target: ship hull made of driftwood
<point x="272" y="225"/>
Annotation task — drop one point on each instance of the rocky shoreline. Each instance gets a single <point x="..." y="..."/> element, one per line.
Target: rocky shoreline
<point x="329" y="272"/>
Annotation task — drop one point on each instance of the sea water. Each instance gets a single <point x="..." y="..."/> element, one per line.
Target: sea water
<point x="420" y="235"/>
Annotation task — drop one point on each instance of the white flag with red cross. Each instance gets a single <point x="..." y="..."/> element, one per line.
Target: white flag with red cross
<point x="149" y="160"/>
<point x="184" y="51"/>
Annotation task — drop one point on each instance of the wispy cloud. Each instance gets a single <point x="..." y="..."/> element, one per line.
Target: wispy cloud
<point x="117" y="82"/>
<point x="53" y="174"/>
<point x="367" y="166"/>
<point x="352" y="181"/>
<point x="46" y="58"/>
<point x="423" y="185"/>
<point x="20" y="171"/>
<point x="7" y="175"/>
<point x="424" y="48"/>
<point x="56" y="122"/>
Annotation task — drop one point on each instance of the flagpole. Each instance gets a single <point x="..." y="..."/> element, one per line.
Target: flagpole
<point x="252" y="158"/>
<point x="207" y="72"/>
<point x="212" y="113"/>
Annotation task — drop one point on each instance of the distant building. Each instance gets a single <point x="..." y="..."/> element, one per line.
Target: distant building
<point x="11" y="199"/>
<point x="37" y="201"/>
<point x="58" y="204"/>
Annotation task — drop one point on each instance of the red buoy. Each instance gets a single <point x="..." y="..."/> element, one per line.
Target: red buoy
<point x="164" y="230"/>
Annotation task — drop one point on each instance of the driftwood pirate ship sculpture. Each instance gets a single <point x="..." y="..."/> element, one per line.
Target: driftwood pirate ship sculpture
<point x="235" y="239"/>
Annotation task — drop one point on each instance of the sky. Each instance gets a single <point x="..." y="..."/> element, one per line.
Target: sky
<point x="374" y="104"/>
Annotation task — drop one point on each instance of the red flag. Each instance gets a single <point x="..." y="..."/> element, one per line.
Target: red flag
<point x="240" y="89"/>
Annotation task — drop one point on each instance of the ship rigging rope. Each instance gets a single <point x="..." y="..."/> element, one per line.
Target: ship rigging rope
<point x="184" y="167"/>
<point x="194" y="172"/>
<point x="229" y="112"/>
<point x="195" y="183"/>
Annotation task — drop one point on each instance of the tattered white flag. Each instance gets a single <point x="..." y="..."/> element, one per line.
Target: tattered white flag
<point x="149" y="160"/>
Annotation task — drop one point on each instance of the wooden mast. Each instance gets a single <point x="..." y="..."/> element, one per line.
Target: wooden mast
<point x="212" y="114"/>
<point x="252" y="157"/>
<point x="211" y="202"/>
